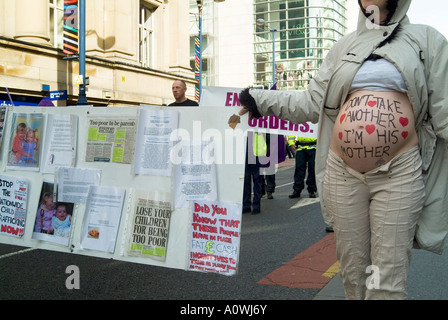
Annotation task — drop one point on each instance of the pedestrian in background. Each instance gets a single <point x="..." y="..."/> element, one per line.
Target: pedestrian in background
<point x="305" y="154"/>
<point x="274" y="143"/>
<point x="289" y="142"/>
<point x="179" y="89"/>
<point x="256" y="146"/>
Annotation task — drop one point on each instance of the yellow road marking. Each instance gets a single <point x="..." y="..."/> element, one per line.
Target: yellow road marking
<point x="332" y="271"/>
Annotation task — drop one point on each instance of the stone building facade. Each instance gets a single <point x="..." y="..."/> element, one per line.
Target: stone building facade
<point x="135" y="49"/>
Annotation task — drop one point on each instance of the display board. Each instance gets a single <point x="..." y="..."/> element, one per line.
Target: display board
<point x="153" y="185"/>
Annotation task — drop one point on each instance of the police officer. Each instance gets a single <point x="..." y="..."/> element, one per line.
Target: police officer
<point x="290" y="141"/>
<point x="305" y="153"/>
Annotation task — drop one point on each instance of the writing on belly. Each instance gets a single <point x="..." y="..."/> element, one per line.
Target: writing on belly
<point x="370" y="125"/>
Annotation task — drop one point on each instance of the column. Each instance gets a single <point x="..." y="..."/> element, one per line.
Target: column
<point x="120" y="28"/>
<point x="32" y="21"/>
<point x="178" y="38"/>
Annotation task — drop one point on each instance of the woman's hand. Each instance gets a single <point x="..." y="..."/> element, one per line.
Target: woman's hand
<point x="248" y="105"/>
<point x="243" y="111"/>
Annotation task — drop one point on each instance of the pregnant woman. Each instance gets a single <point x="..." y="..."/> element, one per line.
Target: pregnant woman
<point x="381" y="101"/>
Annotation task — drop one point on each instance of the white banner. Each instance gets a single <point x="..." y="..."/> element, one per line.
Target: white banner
<point x="229" y="97"/>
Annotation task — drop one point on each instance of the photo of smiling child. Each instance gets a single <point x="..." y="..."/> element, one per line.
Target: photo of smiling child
<point x="30" y="145"/>
<point x="25" y="147"/>
<point x="62" y="221"/>
<point x="53" y="219"/>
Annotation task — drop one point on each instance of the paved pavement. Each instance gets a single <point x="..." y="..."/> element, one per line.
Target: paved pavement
<point x="332" y="291"/>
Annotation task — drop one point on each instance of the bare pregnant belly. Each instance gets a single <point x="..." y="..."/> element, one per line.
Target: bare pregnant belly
<point x="373" y="127"/>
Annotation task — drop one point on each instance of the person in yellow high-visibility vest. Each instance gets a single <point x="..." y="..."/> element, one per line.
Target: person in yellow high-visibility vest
<point x="256" y="147"/>
<point x="290" y="142"/>
<point x="305" y="150"/>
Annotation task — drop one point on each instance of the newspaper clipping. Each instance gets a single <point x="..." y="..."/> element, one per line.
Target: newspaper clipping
<point x="110" y="140"/>
<point x="150" y="225"/>
<point x="154" y="144"/>
<point x="195" y="175"/>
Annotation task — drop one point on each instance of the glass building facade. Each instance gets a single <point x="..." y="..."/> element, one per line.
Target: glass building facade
<point x="305" y="30"/>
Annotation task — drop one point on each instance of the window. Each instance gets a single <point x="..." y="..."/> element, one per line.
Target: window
<point x="305" y="32"/>
<point x="145" y="36"/>
<point x="56" y="23"/>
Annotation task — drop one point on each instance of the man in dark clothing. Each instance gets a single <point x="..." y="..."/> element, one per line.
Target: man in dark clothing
<point x="305" y="155"/>
<point x="179" y="90"/>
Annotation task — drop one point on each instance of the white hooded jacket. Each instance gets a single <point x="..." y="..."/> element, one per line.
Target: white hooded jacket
<point x="420" y="53"/>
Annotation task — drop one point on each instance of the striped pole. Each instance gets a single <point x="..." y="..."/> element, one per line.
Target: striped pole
<point x="71" y="35"/>
<point x="198" y="59"/>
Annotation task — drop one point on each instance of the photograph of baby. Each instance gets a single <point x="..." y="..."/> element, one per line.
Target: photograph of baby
<point x="25" y="141"/>
<point x="53" y="219"/>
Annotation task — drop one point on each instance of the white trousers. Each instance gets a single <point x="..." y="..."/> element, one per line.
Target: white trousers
<point x="374" y="217"/>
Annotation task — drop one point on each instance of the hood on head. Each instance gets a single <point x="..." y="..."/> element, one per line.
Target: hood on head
<point x="398" y="16"/>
